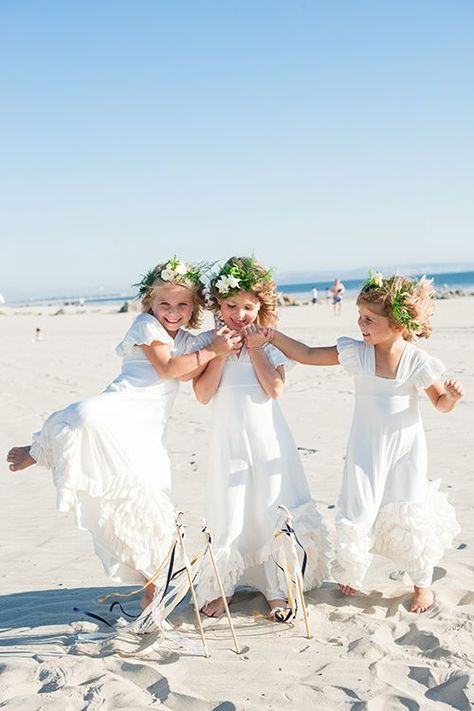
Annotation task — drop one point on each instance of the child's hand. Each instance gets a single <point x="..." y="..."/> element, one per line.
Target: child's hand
<point x="226" y="342"/>
<point x="254" y="336"/>
<point x="453" y="390"/>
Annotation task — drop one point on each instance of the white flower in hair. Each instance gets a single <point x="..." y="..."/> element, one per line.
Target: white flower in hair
<point x="233" y="281"/>
<point x="222" y="285"/>
<point x="378" y="278"/>
<point x="167" y="274"/>
<point x="180" y="268"/>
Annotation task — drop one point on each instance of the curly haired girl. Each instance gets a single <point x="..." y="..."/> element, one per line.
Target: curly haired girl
<point x="254" y="465"/>
<point x="387" y="505"/>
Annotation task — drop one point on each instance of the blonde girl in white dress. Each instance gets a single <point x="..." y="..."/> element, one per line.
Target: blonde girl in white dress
<point x="387" y="505"/>
<point x="254" y="465"/>
<point x="108" y="453"/>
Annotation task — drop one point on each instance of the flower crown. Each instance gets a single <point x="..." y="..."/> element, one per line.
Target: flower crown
<point x="174" y="271"/>
<point x="398" y="299"/>
<point x="232" y="278"/>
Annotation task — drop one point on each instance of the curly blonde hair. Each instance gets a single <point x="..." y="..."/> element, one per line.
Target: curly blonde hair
<point x="257" y="281"/>
<point x="156" y="282"/>
<point x="404" y="301"/>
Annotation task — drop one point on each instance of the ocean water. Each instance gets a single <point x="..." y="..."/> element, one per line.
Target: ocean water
<point x="448" y="280"/>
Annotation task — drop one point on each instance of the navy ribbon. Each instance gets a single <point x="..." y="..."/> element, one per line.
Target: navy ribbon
<point x="93" y="616"/>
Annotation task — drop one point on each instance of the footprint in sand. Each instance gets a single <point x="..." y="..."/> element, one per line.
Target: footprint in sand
<point x="451" y="692"/>
<point x="466" y="599"/>
<point x="366" y="649"/>
<point x="443" y="686"/>
<point x="425" y="641"/>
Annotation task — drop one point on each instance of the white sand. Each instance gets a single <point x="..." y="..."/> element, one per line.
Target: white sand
<point x="367" y="653"/>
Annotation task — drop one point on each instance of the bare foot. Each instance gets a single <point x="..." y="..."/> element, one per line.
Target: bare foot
<point x="347" y="590"/>
<point x="277" y="602"/>
<point x="280" y="611"/>
<point x="423" y="599"/>
<point x="215" y="608"/>
<point x="20" y="458"/>
<point x="147" y="598"/>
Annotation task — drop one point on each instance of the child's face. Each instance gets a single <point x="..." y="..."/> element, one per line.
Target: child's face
<point x="172" y="305"/>
<point x="374" y="327"/>
<point x="240" y="310"/>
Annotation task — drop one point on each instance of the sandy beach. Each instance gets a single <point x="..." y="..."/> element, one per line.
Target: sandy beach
<point x="369" y="652"/>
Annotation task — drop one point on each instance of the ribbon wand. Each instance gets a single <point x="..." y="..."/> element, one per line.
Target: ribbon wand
<point x="296" y="567"/>
<point x="208" y="538"/>
<point x="187" y="564"/>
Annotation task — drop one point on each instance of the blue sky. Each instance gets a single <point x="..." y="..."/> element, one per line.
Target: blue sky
<point x="319" y="135"/>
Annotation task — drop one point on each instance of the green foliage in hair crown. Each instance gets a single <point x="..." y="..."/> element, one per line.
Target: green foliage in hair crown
<point x="400" y="312"/>
<point x="398" y="299"/>
<point x="174" y="271"/>
<point x="239" y="276"/>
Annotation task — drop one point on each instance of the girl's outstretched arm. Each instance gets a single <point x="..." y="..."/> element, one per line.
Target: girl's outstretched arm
<point x="168" y="368"/>
<point x="445" y="396"/>
<point x="206" y="383"/>
<point x="301" y="353"/>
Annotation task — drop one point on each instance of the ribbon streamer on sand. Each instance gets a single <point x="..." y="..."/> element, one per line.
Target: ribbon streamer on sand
<point x="293" y="571"/>
<point x="171" y="588"/>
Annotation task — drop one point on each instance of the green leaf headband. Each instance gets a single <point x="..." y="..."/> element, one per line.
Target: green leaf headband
<point x="400" y="312"/>
<point x="232" y="278"/>
<point x="174" y="271"/>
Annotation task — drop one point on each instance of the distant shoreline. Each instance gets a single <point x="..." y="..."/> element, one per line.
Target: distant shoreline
<point x="443" y="282"/>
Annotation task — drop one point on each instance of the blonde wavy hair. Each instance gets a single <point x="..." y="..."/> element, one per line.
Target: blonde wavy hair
<point x="155" y="282"/>
<point x="257" y="281"/>
<point x="404" y="301"/>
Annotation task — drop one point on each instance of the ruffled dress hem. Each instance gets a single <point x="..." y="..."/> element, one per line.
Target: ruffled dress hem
<point x="413" y="535"/>
<point x="313" y="536"/>
<point x="132" y="526"/>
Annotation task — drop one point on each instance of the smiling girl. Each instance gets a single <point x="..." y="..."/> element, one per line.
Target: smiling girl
<point x="387" y="505"/>
<point x="254" y="465"/>
<point x="108" y="453"/>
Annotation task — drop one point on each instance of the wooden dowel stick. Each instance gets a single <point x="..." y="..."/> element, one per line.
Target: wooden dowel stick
<point x="190" y="580"/>
<point x="299" y="582"/>
<point x="221" y="588"/>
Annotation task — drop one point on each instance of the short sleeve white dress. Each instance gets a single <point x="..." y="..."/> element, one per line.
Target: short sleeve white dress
<point x="109" y="459"/>
<point x="387" y="505"/>
<point x="253" y="467"/>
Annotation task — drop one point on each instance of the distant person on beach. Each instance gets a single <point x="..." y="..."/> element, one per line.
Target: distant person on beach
<point x="387" y="505"/>
<point x="38" y="335"/>
<point x="254" y="464"/>
<point x="337" y="290"/>
<point x="314" y="296"/>
<point x="108" y="453"/>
